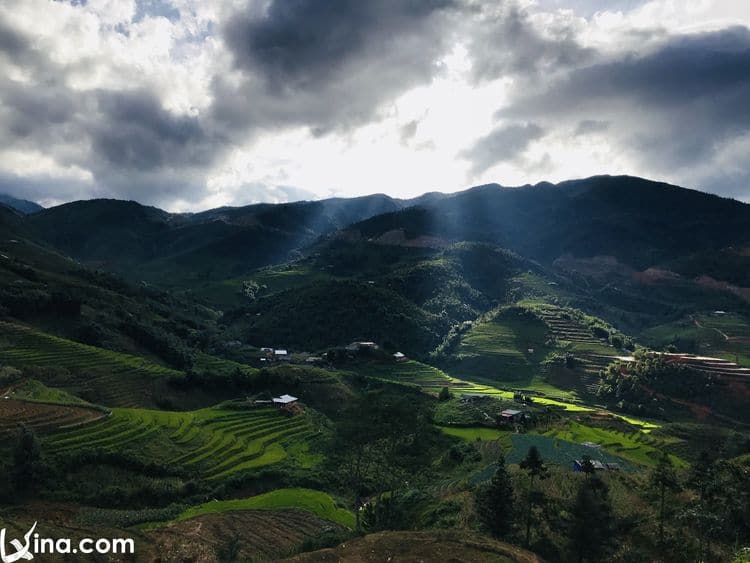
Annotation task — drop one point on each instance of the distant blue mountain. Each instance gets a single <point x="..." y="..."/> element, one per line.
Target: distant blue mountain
<point x="22" y="205"/>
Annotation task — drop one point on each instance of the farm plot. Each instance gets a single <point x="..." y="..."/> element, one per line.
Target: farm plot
<point x="507" y="347"/>
<point x="429" y="378"/>
<point x="636" y="447"/>
<point x="264" y="535"/>
<point x="557" y="451"/>
<point x="213" y="443"/>
<point x="310" y="500"/>
<point x="220" y="366"/>
<point x="43" y="417"/>
<point x="474" y="433"/>
<point x="115" y="379"/>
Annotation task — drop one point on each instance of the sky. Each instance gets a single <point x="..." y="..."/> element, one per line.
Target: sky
<point x="192" y="104"/>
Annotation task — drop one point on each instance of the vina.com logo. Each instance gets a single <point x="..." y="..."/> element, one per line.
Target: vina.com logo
<point x="33" y="544"/>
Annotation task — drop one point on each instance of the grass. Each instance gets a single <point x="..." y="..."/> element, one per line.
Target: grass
<point x="211" y="443"/>
<point x="636" y="447"/>
<point x="644" y="425"/>
<point x="228" y="292"/>
<point x="317" y="502"/>
<point x="34" y="391"/>
<point x="706" y="339"/>
<point x="472" y="434"/>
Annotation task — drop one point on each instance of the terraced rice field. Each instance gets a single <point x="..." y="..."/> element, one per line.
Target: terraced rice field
<point x="116" y="379"/>
<point x="471" y="434"/>
<point x="429" y="378"/>
<point x="43" y="417"/>
<point x="264" y="535"/>
<point x="506" y="348"/>
<point x="213" y="443"/>
<point x="310" y="500"/>
<point x="220" y="366"/>
<point x="592" y="354"/>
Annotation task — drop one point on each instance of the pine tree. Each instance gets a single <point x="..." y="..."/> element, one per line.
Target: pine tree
<point x="26" y="460"/>
<point x="663" y="480"/>
<point x="534" y="466"/>
<point x="592" y="529"/>
<point x="495" y="502"/>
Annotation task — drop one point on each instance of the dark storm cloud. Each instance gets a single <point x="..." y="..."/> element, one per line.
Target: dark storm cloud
<point x="329" y="65"/>
<point x="507" y="43"/>
<point x="12" y="43"/>
<point x="299" y="44"/>
<point x="505" y="143"/>
<point x="133" y="130"/>
<point x="673" y="107"/>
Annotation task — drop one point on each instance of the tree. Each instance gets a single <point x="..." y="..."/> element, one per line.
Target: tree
<point x="535" y="468"/>
<point x="445" y="394"/>
<point x="27" y="462"/>
<point x="702" y="480"/>
<point x="592" y="527"/>
<point x="587" y="466"/>
<point x="381" y="442"/>
<point x="250" y="289"/>
<point x="663" y="480"/>
<point x="495" y="502"/>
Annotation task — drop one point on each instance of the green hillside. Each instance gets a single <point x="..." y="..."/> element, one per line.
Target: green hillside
<point x="210" y="443"/>
<point x="335" y="314"/>
<point x="506" y="347"/>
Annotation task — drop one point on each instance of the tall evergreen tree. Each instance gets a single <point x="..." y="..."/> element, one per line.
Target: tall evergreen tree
<point x="592" y="529"/>
<point x="26" y="460"/>
<point x="663" y="480"/>
<point x="495" y="502"/>
<point x="535" y="468"/>
<point x="702" y="480"/>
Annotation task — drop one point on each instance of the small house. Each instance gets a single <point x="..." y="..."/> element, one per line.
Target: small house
<point x="356" y="346"/>
<point x="281" y="354"/>
<point x="266" y="353"/>
<point x="285" y="401"/>
<point x="512" y="415"/>
<point x="400" y="357"/>
<point x="314" y="360"/>
<point x="595" y="463"/>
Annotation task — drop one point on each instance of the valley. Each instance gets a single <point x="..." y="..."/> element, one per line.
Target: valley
<point x="316" y="380"/>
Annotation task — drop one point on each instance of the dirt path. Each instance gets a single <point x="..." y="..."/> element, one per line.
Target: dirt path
<point x="697" y="323"/>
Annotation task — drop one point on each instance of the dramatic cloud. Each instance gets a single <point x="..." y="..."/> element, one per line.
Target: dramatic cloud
<point x="506" y="42"/>
<point x="188" y="104"/>
<point x="677" y="107"/>
<point x="504" y="143"/>
<point x="328" y="65"/>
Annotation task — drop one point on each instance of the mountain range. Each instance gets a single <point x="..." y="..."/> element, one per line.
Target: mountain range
<point x="637" y="222"/>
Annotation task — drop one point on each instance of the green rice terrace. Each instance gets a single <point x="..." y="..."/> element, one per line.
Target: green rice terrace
<point x="315" y="502"/>
<point x="116" y="379"/>
<point x="211" y="443"/>
<point x="505" y="347"/>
